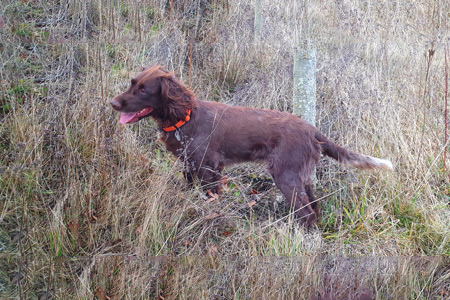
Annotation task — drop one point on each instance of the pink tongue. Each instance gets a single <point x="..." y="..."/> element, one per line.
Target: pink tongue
<point x="127" y="117"/>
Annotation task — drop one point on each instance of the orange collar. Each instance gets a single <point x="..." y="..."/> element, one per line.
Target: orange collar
<point x="179" y="123"/>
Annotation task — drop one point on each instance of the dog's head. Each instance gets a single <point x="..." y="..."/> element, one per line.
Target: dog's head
<point x="154" y="92"/>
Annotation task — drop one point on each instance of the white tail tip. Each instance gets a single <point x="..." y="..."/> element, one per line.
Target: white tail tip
<point x="383" y="163"/>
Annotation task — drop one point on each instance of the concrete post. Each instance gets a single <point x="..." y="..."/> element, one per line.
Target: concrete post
<point x="304" y="100"/>
<point x="305" y="85"/>
<point x="257" y="22"/>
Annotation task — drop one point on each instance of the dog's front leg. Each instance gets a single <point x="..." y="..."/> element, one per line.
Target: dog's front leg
<point x="189" y="172"/>
<point x="211" y="179"/>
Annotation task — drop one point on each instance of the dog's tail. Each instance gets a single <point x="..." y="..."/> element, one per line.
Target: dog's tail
<point x="350" y="158"/>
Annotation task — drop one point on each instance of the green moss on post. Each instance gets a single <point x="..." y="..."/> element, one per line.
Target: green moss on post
<point x="304" y="100"/>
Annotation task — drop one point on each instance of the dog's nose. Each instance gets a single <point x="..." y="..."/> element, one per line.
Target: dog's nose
<point x="115" y="104"/>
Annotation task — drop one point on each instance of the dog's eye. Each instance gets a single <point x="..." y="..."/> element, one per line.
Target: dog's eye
<point x="142" y="89"/>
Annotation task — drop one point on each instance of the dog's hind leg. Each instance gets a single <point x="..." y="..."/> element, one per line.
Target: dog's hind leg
<point x="299" y="200"/>
<point x="312" y="199"/>
<point x="294" y="183"/>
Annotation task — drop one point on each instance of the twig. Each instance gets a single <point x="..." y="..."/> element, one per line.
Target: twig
<point x="190" y="63"/>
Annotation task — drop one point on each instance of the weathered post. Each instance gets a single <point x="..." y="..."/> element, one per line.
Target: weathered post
<point x="257" y="22"/>
<point x="305" y="85"/>
<point x="304" y="100"/>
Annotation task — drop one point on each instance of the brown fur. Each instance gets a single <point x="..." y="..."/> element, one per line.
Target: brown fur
<point x="218" y="135"/>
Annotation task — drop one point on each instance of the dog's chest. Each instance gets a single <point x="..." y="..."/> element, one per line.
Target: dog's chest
<point x="174" y="141"/>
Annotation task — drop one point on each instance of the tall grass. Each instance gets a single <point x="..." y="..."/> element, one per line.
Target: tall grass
<point x="93" y="209"/>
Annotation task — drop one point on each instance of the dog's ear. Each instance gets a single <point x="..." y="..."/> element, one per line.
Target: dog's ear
<point x="165" y="87"/>
<point x="175" y="97"/>
<point x="169" y="99"/>
<point x="170" y="88"/>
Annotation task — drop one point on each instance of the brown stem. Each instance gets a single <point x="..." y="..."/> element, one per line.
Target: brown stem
<point x="190" y="64"/>
<point x="139" y="24"/>
<point x="113" y="26"/>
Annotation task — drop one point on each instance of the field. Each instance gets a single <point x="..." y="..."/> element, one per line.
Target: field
<point x="91" y="209"/>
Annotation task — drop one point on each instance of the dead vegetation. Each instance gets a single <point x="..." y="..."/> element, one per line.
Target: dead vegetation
<point x="91" y="209"/>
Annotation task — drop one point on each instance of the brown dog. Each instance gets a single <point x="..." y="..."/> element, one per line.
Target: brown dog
<point x="207" y="136"/>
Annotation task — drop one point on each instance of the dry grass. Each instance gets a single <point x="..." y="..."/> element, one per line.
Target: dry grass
<point x="91" y="209"/>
